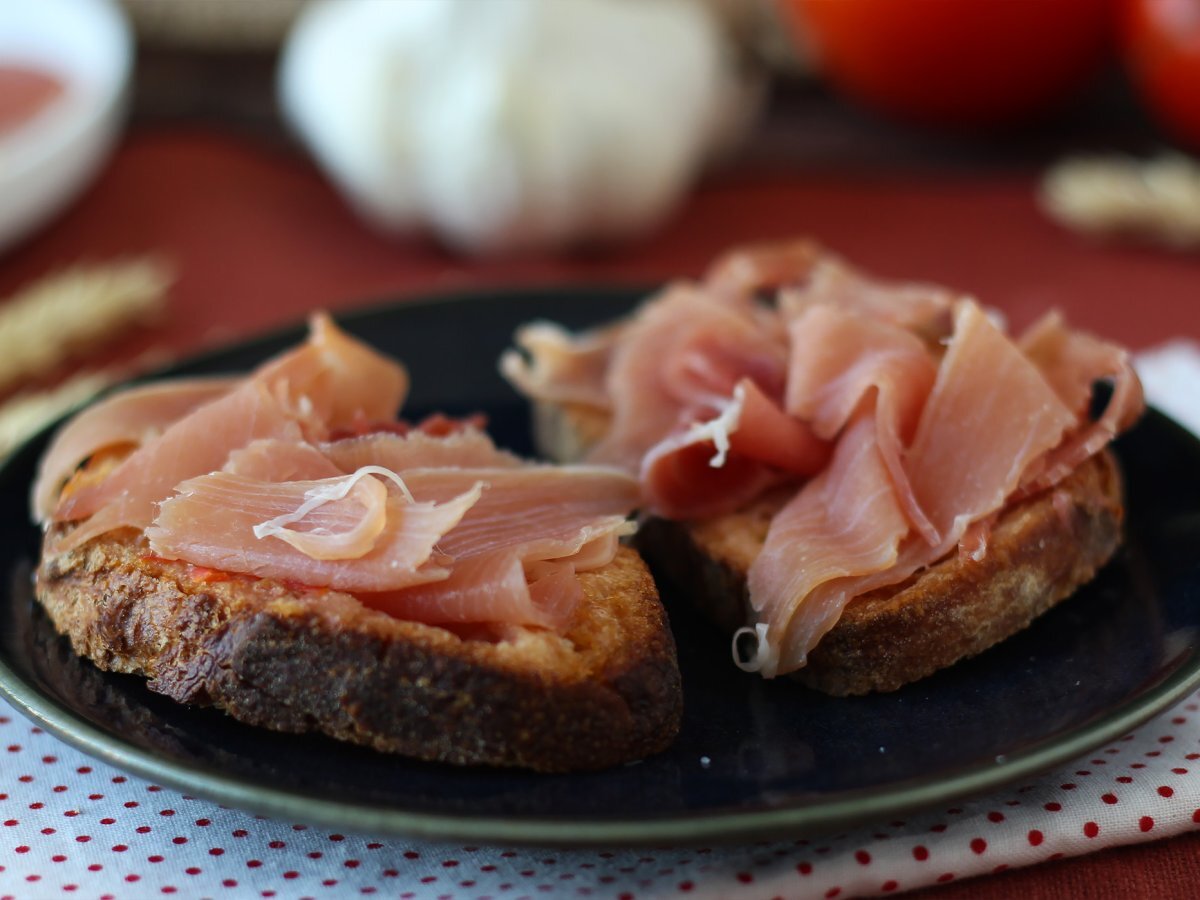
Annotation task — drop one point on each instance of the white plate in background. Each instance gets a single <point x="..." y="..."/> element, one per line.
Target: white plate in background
<point x="46" y="161"/>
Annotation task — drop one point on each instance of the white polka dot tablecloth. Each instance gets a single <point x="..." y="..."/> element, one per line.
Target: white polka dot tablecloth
<point x="76" y="828"/>
<point x="72" y="827"/>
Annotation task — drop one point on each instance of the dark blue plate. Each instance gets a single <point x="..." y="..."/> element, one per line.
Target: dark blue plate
<point x="754" y="758"/>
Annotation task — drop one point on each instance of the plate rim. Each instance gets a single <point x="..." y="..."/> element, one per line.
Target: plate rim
<point x="715" y="826"/>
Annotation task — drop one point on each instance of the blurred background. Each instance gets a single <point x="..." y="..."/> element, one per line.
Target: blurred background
<point x="174" y="173"/>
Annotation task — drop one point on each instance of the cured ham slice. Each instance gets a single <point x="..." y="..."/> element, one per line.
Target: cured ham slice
<point x="194" y="445"/>
<point x="843" y="523"/>
<point x="839" y="358"/>
<point x="336" y="379"/>
<point x="1072" y="362"/>
<point x="716" y="466"/>
<point x="545" y="512"/>
<point x="211" y="522"/>
<point x="747" y="271"/>
<point x="276" y="460"/>
<point x="961" y="470"/>
<point x="467" y="448"/>
<point x="924" y="309"/>
<point x="684" y="352"/>
<point x="559" y="367"/>
<point x="489" y="588"/>
<point x="329" y="379"/>
<point x="131" y="417"/>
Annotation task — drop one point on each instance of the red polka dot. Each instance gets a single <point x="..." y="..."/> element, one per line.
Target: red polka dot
<point x="805" y="868"/>
<point x="995" y="817"/>
<point x="1091" y="829"/>
<point x="203" y="823"/>
<point x="863" y="857"/>
<point x="229" y="883"/>
<point x="1180" y="771"/>
<point x="946" y="876"/>
<point x="832" y="892"/>
<point x="1145" y="823"/>
<point x="1053" y="807"/>
<point x="889" y="886"/>
<point x="978" y="845"/>
<point x="22" y="849"/>
<point x="686" y="886"/>
<point x="291" y="874"/>
<point x="1110" y="799"/>
<point x="119" y="848"/>
<point x="920" y="853"/>
<point x="745" y="877"/>
<point x="192" y="870"/>
<point x="253" y="863"/>
<point x="337" y="837"/>
<point x="215" y="851"/>
<point x="166" y="812"/>
<point x="1165" y="791"/>
<point x="240" y="833"/>
<point x="276" y="845"/>
<point x="352" y="864"/>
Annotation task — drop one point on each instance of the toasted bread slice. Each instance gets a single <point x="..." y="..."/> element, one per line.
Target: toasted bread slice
<point x="298" y="659"/>
<point x="1040" y="551"/>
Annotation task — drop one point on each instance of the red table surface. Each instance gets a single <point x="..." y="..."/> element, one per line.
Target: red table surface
<point x="258" y="238"/>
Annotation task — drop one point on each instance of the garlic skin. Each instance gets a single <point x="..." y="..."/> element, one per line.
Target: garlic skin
<point x="514" y="125"/>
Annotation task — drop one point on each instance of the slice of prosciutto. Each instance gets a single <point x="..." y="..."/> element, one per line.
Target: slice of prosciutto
<point x="961" y="469"/>
<point x="133" y="416"/>
<point x="298" y="395"/>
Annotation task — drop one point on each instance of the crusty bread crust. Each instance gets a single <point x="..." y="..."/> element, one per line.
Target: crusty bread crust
<point x="1039" y="552"/>
<point x="300" y="659"/>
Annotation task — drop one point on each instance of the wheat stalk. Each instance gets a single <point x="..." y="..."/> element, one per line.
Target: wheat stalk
<point x="73" y="311"/>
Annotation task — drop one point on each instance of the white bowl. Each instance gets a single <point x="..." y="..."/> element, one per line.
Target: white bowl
<point x="47" y="161"/>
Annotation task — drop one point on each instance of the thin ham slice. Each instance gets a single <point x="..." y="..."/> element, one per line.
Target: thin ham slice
<point x="194" y="445"/>
<point x="840" y="357"/>
<point x="684" y="352"/>
<point x="133" y="416"/>
<point x="556" y="366"/>
<point x="1072" y="362"/>
<point x="843" y="523"/>
<point x="487" y="589"/>
<point x="924" y="309"/>
<point x="961" y="469"/>
<point x="329" y="379"/>
<point x="211" y="522"/>
<point x="466" y="448"/>
<point x="718" y="465"/>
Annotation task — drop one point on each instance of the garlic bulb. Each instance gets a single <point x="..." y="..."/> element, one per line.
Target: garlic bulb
<point x="510" y="125"/>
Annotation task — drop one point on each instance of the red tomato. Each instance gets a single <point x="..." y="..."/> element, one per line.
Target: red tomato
<point x="957" y="63"/>
<point x="1161" y="44"/>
